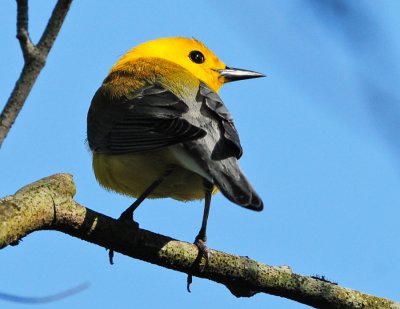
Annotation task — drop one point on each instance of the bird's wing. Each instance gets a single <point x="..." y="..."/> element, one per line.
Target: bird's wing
<point x="143" y="120"/>
<point x="217" y="152"/>
<point x="229" y="143"/>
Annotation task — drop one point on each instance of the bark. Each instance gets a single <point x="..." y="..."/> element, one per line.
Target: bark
<point x="48" y="204"/>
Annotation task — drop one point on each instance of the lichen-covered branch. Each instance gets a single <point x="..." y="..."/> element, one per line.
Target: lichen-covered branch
<point x="35" y="59"/>
<point x="48" y="204"/>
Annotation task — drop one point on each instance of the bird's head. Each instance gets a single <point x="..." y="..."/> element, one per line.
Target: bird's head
<point x="192" y="55"/>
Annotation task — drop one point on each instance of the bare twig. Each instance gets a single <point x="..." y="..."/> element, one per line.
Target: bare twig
<point x="28" y="49"/>
<point x="35" y="59"/>
<point x="48" y="205"/>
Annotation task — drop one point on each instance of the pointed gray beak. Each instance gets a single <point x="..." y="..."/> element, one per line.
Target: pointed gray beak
<point x="232" y="74"/>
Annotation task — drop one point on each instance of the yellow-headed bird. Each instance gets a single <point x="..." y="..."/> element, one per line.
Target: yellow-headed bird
<point x="157" y="128"/>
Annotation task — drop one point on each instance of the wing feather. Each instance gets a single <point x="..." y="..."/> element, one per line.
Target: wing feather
<point x="144" y="120"/>
<point x="229" y="145"/>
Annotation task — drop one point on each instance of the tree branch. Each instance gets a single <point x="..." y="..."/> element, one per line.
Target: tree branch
<point x="48" y="205"/>
<point x="35" y="59"/>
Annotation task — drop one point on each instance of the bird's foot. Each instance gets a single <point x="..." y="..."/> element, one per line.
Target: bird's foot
<point x="200" y="243"/>
<point x="127" y="218"/>
<point x="203" y="250"/>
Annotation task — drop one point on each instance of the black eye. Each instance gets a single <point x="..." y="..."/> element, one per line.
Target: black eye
<point x="196" y="56"/>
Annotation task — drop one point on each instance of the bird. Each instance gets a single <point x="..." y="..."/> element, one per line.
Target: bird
<point x="157" y="128"/>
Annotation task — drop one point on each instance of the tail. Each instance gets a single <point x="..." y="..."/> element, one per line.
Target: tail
<point x="234" y="185"/>
<point x="225" y="173"/>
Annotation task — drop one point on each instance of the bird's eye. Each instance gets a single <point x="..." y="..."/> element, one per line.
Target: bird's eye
<point x="196" y="56"/>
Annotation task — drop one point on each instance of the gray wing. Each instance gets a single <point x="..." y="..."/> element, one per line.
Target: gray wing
<point x="218" y="151"/>
<point x="147" y="119"/>
<point x="229" y="144"/>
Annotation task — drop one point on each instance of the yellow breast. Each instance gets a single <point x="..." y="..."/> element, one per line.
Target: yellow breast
<point x="132" y="174"/>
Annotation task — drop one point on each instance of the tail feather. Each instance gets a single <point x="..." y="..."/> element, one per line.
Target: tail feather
<point x="234" y="185"/>
<point x="225" y="173"/>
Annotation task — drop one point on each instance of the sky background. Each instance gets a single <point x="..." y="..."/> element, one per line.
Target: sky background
<point x="321" y="139"/>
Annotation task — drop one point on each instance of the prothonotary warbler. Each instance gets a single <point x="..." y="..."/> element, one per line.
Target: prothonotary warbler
<point x="157" y="128"/>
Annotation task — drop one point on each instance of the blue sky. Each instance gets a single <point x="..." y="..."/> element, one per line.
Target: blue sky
<point x="321" y="139"/>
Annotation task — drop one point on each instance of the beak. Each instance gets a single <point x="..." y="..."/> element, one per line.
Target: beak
<point x="232" y="74"/>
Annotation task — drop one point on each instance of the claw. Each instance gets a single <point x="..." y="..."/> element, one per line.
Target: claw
<point x="126" y="218"/>
<point x="203" y="250"/>
<point x="189" y="282"/>
<point x="111" y="256"/>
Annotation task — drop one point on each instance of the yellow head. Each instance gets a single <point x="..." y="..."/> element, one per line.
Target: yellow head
<point x="190" y="54"/>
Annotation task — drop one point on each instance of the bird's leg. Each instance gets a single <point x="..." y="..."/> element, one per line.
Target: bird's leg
<point x="201" y="238"/>
<point x="127" y="215"/>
